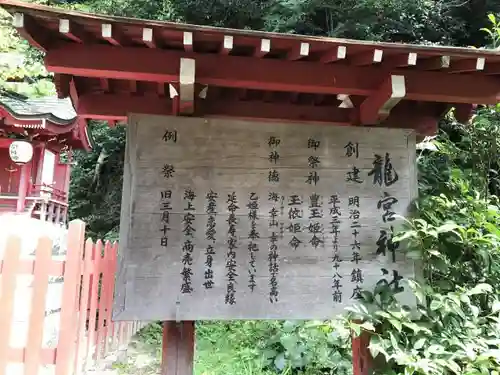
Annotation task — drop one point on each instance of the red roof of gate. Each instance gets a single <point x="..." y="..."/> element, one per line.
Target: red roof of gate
<point x="111" y="66"/>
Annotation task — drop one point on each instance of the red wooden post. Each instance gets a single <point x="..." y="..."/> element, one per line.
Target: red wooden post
<point x="177" y="348"/>
<point x="362" y="363"/>
<point x="24" y="183"/>
<point x="67" y="175"/>
<point x="40" y="152"/>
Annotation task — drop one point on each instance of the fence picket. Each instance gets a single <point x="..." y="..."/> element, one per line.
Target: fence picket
<point x="111" y="263"/>
<point x="94" y="295"/>
<point x="67" y="334"/>
<point x="78" y="343"/>
<point x="82" y="347"/>
<point x="9" y="273"/>
<point x="121" y="335"/>
<point x="33" y="354"/>
<point x="101" y="328"/>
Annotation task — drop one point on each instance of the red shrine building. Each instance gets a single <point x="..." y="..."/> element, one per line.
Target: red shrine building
<point x="47" y="129"/>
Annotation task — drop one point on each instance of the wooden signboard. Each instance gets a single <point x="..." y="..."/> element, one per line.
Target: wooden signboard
<point x="225" y="219"/>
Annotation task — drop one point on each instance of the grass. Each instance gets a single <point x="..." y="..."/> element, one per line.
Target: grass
<point x="220" y="349"/>
<point x="252" y="348"/>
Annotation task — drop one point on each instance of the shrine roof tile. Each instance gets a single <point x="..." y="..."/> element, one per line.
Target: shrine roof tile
<point x="53" y="109"/>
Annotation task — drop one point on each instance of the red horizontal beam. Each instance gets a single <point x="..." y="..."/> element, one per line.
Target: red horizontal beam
<point x="116" y="107"/>
<point x="156" y="65"/>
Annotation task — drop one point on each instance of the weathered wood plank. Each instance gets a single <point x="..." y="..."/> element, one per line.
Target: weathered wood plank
<point x="298" y="266"/>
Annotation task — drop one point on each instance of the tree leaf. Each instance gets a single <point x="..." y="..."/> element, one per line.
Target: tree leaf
<point x="453" y="366"/>
<point x="289" y="326"/>
<point x="436" y="305"/>
<point x="419" y="343"/>
<point x="368" y="326"/>
<point x="280" y="361"/>
<point x="396" y="324"/>
<point x="375" y="346"/>
<point x="435" y="349"/>
<point x="447" y="227"/>
<point x="480" y="289"/>
<point x="496" y="306"/>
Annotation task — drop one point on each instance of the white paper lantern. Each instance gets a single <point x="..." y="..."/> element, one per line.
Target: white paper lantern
<point x="20" y="152"/>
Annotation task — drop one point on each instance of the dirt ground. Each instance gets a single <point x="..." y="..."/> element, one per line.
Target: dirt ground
<point x="139" y="359"/>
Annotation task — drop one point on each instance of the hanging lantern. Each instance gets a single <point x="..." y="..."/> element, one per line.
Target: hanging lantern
<point x="20" y="152"/>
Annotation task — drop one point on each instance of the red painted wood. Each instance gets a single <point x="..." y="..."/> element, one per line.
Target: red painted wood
<point x="9" y="174"/>
<point x="104" y="302"/>
<point x="27" y="267"/>
<point x="24" y="183"/>
<point x="112" y="271"/>
<point x="47" y="356"/>
<point x="5" y="142"/>
<point x="157" y="65"/>
<point x="34" y="33"/>
<point x="40" y="152"/>
<point x="7" y="293"/>
<point x="73" y="345"/>
<point x="82" y="341"/>
<point x="61" y="172"/>
<point x="116" y="107"/>
<point x="16" y="179"/>
<point x="463" y="112"/>
<point x="109" y="284"/>
<point x="463" y="66"/>
<point x="33" y="354"/>
<point x="362" y="363"/>
<point x="121" y="334"/>
<point x="77" y="33"/>
<point x="68" y="325"/>
<point x="178" y="348"/>
<point x="370" y="108"/>
<point x="93" y="300"/>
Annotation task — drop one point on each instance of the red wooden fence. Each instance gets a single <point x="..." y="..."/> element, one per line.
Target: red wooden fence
<point x="86" y="332"/>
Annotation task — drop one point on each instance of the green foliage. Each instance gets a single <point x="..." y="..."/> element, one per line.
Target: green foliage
<point x="96" y="182"/>
<point x="422" y="21"/>
<point x="452" y="335"/>
<point x="152" y="334"/>
<point x="387" y="20"/>
<point x="267" y="347"/>
<point x="313" y="347"/>
<point x="494" y="32"/>
<point x="456" y="234"/>
<point x="21" y="68"/>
